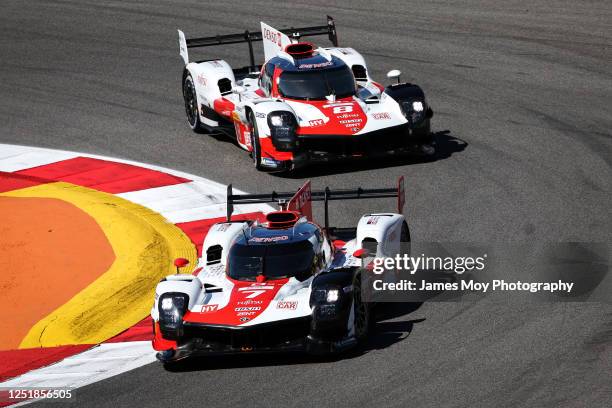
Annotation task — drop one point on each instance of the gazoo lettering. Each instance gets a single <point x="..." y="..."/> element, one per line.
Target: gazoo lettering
<point x="340" y="107"/>
<point x="273" y="36"/>
<point x="209" y="308"/>
<point x="303" y="198"/>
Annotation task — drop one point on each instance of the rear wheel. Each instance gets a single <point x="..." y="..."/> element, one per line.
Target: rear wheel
<point x="191" y="105"/>
<point x="256" y="147"/>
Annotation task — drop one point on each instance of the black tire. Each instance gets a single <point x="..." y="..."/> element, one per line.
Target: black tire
<point x="422" y="135"/>
<point x="256" y="152"/>
<point x="191" y="105"/>
<point x="362" y="315"/>
<point x="405" y="234"/>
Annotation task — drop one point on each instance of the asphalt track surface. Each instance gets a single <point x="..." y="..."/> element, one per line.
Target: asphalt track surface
<point x="522" y="95"/>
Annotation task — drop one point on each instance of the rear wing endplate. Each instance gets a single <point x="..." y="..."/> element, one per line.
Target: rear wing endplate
<point x="301" y="201"/>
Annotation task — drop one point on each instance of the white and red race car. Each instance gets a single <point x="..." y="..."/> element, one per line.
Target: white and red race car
<point x="303" y="104"/>
<point x="278" y="284"/>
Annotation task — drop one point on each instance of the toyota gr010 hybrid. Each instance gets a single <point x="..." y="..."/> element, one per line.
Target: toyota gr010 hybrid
<point x="281" y="283"/>
<point x="305" y="103"/>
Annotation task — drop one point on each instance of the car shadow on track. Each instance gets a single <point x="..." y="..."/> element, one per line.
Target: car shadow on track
<point x="389" y="328"/>
<point x="385" y="334"/>
<point x="445" y="146"/>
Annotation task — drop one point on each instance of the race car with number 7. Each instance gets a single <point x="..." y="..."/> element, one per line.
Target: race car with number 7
<point x="305" y="103"/>
<point x="277" y="283"/>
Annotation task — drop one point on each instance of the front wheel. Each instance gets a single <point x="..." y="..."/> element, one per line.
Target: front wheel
<point x="362" y="312"/>
<point x="422" y="135"/>
<point x="255" y="146"/>
<point x="191" y="105"/>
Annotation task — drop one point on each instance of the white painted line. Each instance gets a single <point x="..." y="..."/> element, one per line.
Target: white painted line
<point x="185" y="202"/>
<point x="12" y="159"/>
<point x="99" y="363"/>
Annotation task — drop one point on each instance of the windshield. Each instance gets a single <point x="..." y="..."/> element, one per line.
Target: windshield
<point x="275" y="261"/>
<point x="317" y="84"/>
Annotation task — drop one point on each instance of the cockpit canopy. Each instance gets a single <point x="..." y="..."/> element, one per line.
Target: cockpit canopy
<point x="275" y="253"/>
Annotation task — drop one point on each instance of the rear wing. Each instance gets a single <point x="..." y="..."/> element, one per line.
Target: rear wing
<point x="328" y="29"/>
<point x="301" y="201"/>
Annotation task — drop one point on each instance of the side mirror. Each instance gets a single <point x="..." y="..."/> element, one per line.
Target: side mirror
<point x="394" y="73"/>
<point x="180" y="263"/>
<point x="360" y="253"/>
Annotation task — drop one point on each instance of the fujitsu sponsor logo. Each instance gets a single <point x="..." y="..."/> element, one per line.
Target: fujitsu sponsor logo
<point x="250" y="302"/>
<point x="348" y="115"/>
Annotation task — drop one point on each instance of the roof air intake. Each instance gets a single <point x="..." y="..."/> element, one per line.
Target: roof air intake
<point x="300" y="50"/>
<point x="282" y="219"/>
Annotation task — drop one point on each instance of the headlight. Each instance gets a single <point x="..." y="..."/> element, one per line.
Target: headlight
<point x="414" y="111"/>
<point x="276" y="120"/>
<point x="281" y="119"/>
<point x="332" y="295"/>
<point x="418" y="106"/>
<point x="167" y="304"/>
<point x="172" y="307"/>
<point x="282" y="126"/>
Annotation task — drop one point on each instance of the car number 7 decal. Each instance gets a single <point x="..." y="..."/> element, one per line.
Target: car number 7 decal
<point x="255" y="290"/>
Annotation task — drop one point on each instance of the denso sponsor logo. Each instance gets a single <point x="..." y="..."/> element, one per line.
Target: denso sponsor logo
<point x="247" y="309"/>
<point x="319" y="65"/>
<point x="381" y="115"/>
<point x="290" y="305"/>
<point x="270" y="239"/>
<point x="209" y="308"/>
<point x="347" y="121"/>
